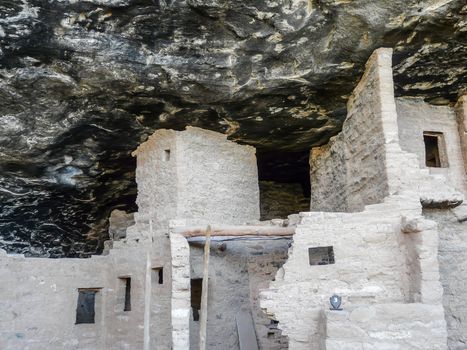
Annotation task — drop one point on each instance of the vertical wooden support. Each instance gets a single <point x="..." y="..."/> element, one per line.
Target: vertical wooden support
<point x="147" y="304"/>
<point x="203" y="319"/>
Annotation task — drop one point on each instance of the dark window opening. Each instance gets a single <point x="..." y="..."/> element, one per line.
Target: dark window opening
<point x="321" y="255"/>
<point x="127" y="285"/>
<point x="434" y="143"/>
<point x="159" y="275"/>
<point x="196" y="289"/>
<point x="85" y="310"/>
<point x="167" y="155"/>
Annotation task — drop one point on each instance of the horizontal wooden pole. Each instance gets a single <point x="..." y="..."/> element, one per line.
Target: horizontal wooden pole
<point x="237" y="231"/>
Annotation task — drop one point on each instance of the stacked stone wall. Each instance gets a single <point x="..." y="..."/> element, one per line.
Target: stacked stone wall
<point x="375" y="263"/>
<point x="416" y="117"/>
<point x="386" y="255"/>
<point x="350" y="171"/>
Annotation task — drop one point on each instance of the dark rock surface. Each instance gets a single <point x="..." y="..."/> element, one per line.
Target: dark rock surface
<point x="83" y="82"/>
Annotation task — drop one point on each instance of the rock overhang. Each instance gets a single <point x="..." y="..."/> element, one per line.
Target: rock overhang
<point x="83" y="83"/>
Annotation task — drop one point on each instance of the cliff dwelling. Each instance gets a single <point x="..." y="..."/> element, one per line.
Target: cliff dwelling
<point x="233" y="174"/>
<point x="198" y="267"/>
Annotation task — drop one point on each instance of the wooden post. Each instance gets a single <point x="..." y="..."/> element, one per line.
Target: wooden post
<point x="203" y="319"/>
<point x="147" y="304"/>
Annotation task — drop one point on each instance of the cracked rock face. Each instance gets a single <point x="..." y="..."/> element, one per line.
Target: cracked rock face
<point x="83" y="82"/>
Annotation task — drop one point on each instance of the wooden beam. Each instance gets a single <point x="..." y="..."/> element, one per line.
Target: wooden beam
<point x="237" y="231"/>
<point x="203" y="319"/>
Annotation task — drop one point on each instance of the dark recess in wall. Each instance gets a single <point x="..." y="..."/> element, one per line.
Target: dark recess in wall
<point x="284" y="181"/>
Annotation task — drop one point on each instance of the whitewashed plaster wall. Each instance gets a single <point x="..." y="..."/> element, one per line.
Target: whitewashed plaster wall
<point x="39" y="301"/>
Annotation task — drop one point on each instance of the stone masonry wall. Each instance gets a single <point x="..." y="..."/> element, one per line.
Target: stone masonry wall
<point x="386" y="326"/>
<point x="157" y="177"/>
<point x="197" y="174"/>
<point x="386" y="256"/>
<point x="218" y="179"/>
<point x="42" y="313"/>
<point x="415" y="117"/>
<point x="375" y="263"/>
<point x="279" y="200"/>
<point x="453" y="269"/>
<point x="39" y="298"/>
<point x="350" y="172"/>
<point x="237" y="273"/>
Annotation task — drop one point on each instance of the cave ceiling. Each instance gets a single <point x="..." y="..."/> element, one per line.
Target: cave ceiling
<point x="82" y="83"/>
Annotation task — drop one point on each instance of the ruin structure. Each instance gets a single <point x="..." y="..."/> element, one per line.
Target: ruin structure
<point x="386" y="231"/>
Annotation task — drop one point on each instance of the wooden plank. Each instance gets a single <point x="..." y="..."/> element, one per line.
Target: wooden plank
<point x="147" y="304"/>
<point x="203" y="319"/>
<point x="238" y="231"/>
<point x="246" y="331"/>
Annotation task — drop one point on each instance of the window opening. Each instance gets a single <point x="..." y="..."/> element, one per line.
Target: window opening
<point x="435" y="156"/>
<point x="196" y="289"/>
<point x="159" y="275"/>
<point x="127" y="285"/>
<point x="167" y="155"/>
<point x="321" y="255"/>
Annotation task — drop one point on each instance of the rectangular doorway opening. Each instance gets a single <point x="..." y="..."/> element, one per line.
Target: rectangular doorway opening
<point x="321" y="255"/>
<point x="196" y="289"/>
<point x="85" y="310"/>
<point x="435" y="154"/>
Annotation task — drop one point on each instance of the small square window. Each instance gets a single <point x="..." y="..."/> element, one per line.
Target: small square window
<point x="321" y="255"/>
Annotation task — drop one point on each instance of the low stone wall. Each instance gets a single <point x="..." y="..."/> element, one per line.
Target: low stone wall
<point x="40" y="298"/>
<point x="386" y="326"/>
<point x="453" y="269"/>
